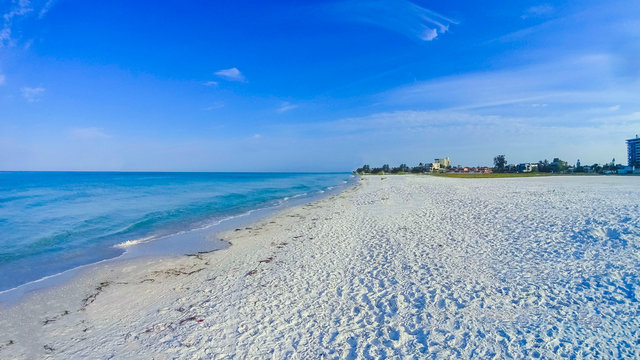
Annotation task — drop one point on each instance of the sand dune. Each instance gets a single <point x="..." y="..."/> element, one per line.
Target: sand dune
<point x="405" y="267"/>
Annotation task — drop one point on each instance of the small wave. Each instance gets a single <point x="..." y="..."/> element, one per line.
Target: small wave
<point x="287" y="198"/>
<point x="129" y="243"/>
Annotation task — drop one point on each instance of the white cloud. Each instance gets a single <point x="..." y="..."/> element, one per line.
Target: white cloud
<point x="210" y="83"/>
<point x="32" y="94"/>
<point x="614" y="108"/>
<point x="401" y="16"/>
<point x="286" y="106"/>
<point x="429" y="35"/>
<point x="89" y="133"/>
<point x="232" y="74"/>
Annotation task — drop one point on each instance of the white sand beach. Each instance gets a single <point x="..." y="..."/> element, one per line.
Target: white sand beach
<point x="395" y="267"/>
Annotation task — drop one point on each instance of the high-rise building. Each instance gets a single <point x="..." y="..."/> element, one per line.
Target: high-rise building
<point x="633" y="150"/>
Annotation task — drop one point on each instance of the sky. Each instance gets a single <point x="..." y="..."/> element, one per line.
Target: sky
<point x="314" y="85"/>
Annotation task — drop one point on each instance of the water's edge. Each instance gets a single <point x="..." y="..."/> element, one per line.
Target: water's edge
<point x="201" y="239"/>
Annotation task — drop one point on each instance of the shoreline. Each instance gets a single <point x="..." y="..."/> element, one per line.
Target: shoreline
<point x="202" y="238"/>
<point x="77" y="295"/>
<point x="405" y="267"/>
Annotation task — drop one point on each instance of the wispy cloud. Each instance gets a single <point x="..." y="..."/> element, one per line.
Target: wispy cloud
<point x="400" y="16"/>
<point x="210" y="83"/>
<point x="444" y="120"/>
<point x="2" y="79"/>
<point x="286" y="106"/>
<point x="538" y="11"/>
<point x="32" y="94"/>
<point x="5" y="36"/>
<point x="527" y="32"/>
<point x="463" y="134"/>
<point x="214" y="106"/>
<point x="232" y="74"/>
<point x="587" y="79"/>
<point x="17" y="10"/>
<point x="412" y="120"/>
<point x="20" y="7"/>
<point x="45" y="8"/>
<point x="89" y="133"/>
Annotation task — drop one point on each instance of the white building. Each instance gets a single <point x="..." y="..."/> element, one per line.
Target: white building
<point x="444" y="162"/>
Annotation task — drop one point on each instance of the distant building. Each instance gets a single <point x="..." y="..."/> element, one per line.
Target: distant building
<point x="444" y="162"/>
<point x="527" y="167"/>
<point x="435" y="166"/>
<point x="625" y="169"/>
<point x="633" y="150"/>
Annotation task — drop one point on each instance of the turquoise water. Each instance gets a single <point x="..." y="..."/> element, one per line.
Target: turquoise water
<point x="54" y="221"/>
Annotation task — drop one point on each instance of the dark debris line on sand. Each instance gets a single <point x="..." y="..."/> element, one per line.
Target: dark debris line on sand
<point x="9" y="343"/>
<point x="91" y="298"/>
<point x="55" y="318"/>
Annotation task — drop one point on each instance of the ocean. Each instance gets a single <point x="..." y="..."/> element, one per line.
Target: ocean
<point x="51" y="222"/>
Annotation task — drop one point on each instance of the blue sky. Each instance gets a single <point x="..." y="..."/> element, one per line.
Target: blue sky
<point x="314" y="85"/>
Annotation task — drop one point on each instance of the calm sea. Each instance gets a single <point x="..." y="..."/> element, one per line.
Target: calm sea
<point x="54" y="221"/>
